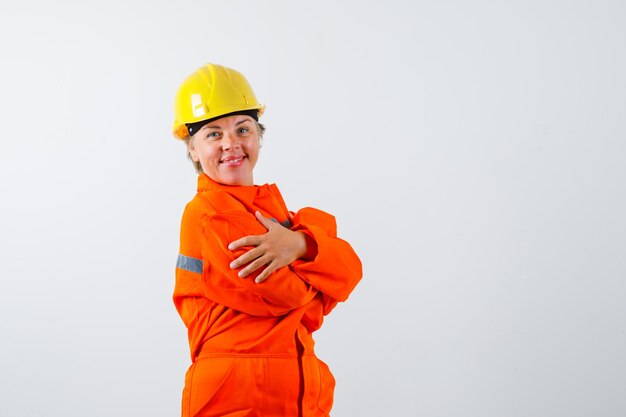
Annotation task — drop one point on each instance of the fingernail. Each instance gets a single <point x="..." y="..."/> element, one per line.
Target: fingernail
<point x="230" y="246"/>
<point x="232" y="265"/>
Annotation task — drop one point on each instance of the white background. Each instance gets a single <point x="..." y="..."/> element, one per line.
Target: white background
<point x="473" y="153"/>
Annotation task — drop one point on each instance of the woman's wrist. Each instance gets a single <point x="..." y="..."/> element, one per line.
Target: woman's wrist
<point x="310" y="247"/>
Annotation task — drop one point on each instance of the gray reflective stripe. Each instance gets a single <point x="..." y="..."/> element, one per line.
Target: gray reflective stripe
<point x="189" y="264"/>
<point x="286" y="223"/>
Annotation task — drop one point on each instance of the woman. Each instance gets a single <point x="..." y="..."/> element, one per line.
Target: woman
<point x="253" y="280"/>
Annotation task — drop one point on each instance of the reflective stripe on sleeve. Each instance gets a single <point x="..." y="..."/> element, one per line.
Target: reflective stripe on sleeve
<point x="189" y="264"/>
<point x="286" y="223"/>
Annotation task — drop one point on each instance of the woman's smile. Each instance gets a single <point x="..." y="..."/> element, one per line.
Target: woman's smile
<point x="233" y="161"/>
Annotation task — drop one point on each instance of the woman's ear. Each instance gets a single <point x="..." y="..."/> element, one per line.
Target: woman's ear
<point x="192" y="150"/>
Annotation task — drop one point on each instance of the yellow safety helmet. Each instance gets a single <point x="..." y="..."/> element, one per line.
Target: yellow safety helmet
<point x="210" y="92"/>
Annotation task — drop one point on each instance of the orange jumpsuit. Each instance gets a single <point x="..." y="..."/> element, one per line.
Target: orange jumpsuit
<point x="251" y="344"/>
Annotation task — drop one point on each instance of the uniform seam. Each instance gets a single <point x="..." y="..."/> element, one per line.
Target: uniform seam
<point x="189" y="399"/>
<point x="249" y="355"/>
<point x="266" y="387"/>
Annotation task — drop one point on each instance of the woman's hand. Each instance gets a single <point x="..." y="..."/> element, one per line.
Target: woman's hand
<point x="277" y="248"/>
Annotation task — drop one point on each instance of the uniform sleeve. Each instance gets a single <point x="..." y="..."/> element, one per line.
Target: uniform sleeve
<point x="280" y="293"/>
<point x="188" y="288"/>
<point x="203" y="266"/>
<point x="336" y="269"/>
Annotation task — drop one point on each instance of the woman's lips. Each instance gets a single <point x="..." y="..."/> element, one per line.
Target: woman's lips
<point x="233" y="161"/>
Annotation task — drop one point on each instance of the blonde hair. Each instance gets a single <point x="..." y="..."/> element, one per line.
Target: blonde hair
<point x="259" y="127"/>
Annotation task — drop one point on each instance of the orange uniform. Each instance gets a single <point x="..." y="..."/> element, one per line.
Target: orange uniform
<point x="251" y="344"/>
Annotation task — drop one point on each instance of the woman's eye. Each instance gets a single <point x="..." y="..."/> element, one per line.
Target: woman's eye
<point x="243" y="130"/>
<point x="213" y="135"/>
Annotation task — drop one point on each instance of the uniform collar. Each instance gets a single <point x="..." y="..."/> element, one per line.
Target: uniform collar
<point x="245" y="193"/>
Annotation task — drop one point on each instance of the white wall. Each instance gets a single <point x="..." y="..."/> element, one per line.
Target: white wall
<point x="473" y="153"/>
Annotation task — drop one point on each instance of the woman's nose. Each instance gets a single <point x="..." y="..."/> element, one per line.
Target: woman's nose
<point x="229" y="141"/>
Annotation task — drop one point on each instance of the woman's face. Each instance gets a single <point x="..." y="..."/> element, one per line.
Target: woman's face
<point x="227" y="149"/>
